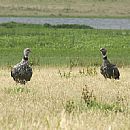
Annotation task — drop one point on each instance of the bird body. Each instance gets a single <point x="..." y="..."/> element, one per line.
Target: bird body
<point x="22" y="72"/>
<point x="107" y="69"/>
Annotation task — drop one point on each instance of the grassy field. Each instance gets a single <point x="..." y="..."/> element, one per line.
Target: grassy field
<point x="65" y="8"/>
<point x="62" y="47"/>
<point x="67" y="91"/>
<point x="58" y="99"/>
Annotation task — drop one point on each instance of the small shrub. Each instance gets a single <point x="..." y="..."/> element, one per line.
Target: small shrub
<point x="87" y="96"/>
<point x="90" y="101"/>
<point x="91" y="71"/>
<point x="70" y="106"/>
<point x="64" y="74"/>
<point x="68" y="26"/>
<point x="73" y="63"/>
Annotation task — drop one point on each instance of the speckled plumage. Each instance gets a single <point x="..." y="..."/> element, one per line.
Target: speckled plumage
<point x="22" y="72"/>
<point x="107" y="69"/>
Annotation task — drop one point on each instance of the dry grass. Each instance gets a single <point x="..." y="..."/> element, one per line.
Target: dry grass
<point x="41" y="103"/>
<point x="99" y="8"/>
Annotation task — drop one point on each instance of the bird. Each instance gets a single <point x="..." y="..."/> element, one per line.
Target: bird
<point x="107" y="69"/>
<point x="22" y="72"/>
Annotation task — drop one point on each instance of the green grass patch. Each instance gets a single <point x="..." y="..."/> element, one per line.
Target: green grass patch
<point x="89" y="101"/>
<point x="17" y="90"/>
<point x="58" y="46"/>
<point x="73" y="106"/>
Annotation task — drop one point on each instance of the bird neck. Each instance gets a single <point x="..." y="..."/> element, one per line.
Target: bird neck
<point x="25" y="58"/>
<point x="104" y="57"/>
<point x="105" y="60"/>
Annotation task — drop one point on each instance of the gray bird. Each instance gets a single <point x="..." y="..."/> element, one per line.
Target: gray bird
<point x="22" y="72"/>
<point x="107" y="69"/>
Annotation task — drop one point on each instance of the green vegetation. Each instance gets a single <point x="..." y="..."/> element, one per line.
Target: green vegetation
<point x="65" y="8"/>
<point x="16" y="90"/>
<point x="89" y="101"/>
<point x="60" y="46"/>
<point x="72" y="98"/>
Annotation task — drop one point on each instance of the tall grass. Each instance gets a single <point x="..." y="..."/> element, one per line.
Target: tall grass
<point x="61" y="46"/>
<point x="50" y="101"/>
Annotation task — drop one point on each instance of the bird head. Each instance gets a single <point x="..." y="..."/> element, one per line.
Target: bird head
<point x="26" y="52"/>
<point x="104" y="51"/>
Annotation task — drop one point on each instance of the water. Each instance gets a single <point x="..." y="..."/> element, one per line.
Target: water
<point x="98" y="23"/>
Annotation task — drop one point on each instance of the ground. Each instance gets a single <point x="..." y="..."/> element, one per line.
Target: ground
<point x="65" y="8"/>
<point x="52" y="100"/>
